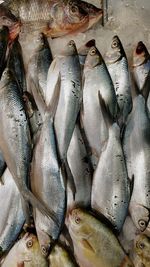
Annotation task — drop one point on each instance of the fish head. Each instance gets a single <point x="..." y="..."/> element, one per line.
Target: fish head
<point x="70" y="49"/>
<point x="93" y="58"/>
<point x="140" y="54"/>
<point x="116" y="51"/>
<point x="140" y="216"/>
<point x="142" y="246"/>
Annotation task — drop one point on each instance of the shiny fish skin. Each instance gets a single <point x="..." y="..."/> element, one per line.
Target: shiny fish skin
<point x="59" y="17"/>
<point x="16" y="144"/>
<point x="111" y="186"/>
<point x="15" y="61"/>
<point x="26" y="251"/>
<point x="136" y="146"/>
<point x="3" y="47"/>
<point x="12" y="217"/>
<point x="61" y="257"/>
<point x="96" y="78"/>
<point x="48" y="185"/>
<point x="117" y="65"/>
<point x="94" y="243"/>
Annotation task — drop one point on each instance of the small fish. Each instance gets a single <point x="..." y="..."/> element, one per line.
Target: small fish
<point x="61" y="257"/>
<point x="96" y="78"/>
<point x="111" y="186"/>
<point x="26" y="252"/>
<point x="12" y="216"/>
<point x="83" y="51"/>
<point x="142" y="249"/>
<point x="57" y="18"/>
<point x="3" y="47"/>
<point x="117" y="65"/>
<point x="94" y="243"/>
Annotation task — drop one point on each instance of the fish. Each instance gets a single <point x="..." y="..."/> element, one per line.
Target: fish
<point x="136" y="146"/>
<point x="48" y="184"/>
<point x="141" y="66"/>
<point x="12" y="217"/>
<point x="142" y="248"/>
<point x="16" y="63"/>
<point x="79" y="165"/>
<point x="95" y="245"/>
<point x="61" y="257"/>
<point x="97" y="78"/>
<point x="117" y="64"/>
<point x="15" y="144"/>
<point x="84" y="49"/>
<point x="3" y="47"/>
<point x="38" y="67"/>
<point x="57" y="18"/>
<point x="69" y="102"/>
<point x="25" y="252"/>
<point x="110" y="177"/>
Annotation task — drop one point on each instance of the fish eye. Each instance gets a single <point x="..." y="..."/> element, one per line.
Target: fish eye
<point x="77" y="220"/>
<point x="44" y="250"/>
<point x="142" y="223"/>
<point x="93" y="52"/>
<point x="74" y="9"/>
<point x="71" y="43"/>
<point x="29" y="244"/>
<point x="140" y="245"/>
<point x="114" y="44"/>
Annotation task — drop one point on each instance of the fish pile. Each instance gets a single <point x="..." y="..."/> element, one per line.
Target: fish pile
<point x="74" y="148"/>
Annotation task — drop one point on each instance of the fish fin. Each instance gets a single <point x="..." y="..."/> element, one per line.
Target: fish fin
<point x="105" y="111"/>
<point x="87" y="245"/>
<point x="146" y="87"/>
<point x="20" y="264"/>
<point x="70" y="179"/>
<point x="53" y="80"/>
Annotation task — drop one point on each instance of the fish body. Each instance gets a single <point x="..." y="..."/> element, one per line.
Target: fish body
<point x="12" y="216"/>
<point x="56" y="17"/>
<point x="94" y="243"/>
<point x="26" y="252"/>
<point x="3" y="47"/>
<point x="111" y="186"/>
<point x="96" y="78"/>
<point x="61" y="257"/>
<point x="117" y="65"/>
<point x="136" y="146"/>
<point x="48" y="185"/>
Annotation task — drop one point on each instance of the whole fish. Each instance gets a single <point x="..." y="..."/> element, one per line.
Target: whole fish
<point x="38" y="67"/>
<point x="12" y="216"/>
<point x="94" y="243"/>
<point x="69" y="101"/>
<point x="141" y="66"/>
<point x="80" y="168"/>
<point x="111" y="186"/>
<point x="3" y="47"/>
<point x="96" y="78"/>
<point x="57" y="18"/>
<point x="142" y="249"/>
<point x="61" y="257"/>
<point x="117" y="65"/>
<point x="15" y="61"/>
<point x="83" y="51"/>
<point x="25" y="253"/>
<point x="48" y="185"/>
<point x="136" y="146"/>
<point x="15" y="144"/>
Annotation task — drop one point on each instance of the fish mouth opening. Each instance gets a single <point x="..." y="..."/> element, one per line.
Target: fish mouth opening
<point x="140" y="48"/>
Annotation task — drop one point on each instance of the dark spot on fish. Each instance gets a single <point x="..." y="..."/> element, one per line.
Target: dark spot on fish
<point x="115" y="196"/>
<point x="115" y="204"/>
<point x="74" y="84"/>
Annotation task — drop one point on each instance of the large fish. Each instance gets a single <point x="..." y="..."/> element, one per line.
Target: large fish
<point x="96" y="78"/>
<point x="12" y="216"/>
<point x="94" y="243"/>
<point x="16" y="144"/>
<point x="136" y="145"/>
<point x="48" y="184"/>
<point x="57" y="18"/>
<point x="3" y="47"/>
<point x="26" y="252"/>
<point x="117" y="65"/>
<point x="111" y="186"/>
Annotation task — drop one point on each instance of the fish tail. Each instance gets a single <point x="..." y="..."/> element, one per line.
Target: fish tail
<point x="29" y="197"/>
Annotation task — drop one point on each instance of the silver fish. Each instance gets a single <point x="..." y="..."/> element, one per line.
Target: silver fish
<point x="12" y="216"/>
<point x="111" y="186"/>
<point x="83" y="51"/>
<point x="136" y="145"/>
<point x="96" y="77"/>
<point x="117" y="65"/>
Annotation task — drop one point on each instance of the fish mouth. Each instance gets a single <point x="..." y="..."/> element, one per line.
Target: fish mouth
<point x="140" y="48"/>
<point x="140" y="55"/>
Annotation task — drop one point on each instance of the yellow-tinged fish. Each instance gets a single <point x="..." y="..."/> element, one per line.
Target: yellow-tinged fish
<point x="25" y="253"/>
<point x="142" y="249"/>
<point x="94" y="243"/>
